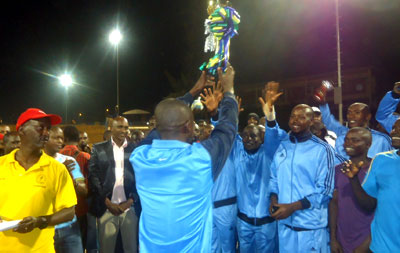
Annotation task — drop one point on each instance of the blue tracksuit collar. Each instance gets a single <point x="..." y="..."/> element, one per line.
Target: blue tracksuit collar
<point x="169" y="144"/>
<point x="300" y="137"/>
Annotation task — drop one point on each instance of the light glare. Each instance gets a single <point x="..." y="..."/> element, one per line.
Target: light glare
<point x="65" y="80"/>
<point x="115" y="37"/>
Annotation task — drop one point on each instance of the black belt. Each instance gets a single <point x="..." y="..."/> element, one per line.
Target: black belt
<point x="256" y="221"/>
<point x="225" y="202"/>
<point x="298" y="229"/>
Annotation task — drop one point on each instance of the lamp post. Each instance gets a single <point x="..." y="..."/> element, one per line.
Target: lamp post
<point x="115" y="37"/>
<point x="338" y="94"/>
<point x="66" y="81"/>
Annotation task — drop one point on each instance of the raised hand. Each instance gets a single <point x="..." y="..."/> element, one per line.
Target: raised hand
<point x="227" y="79"/>
<point x="203" y="82"/>
<point x="351" y="169"/>
<point x="271" y="94"/>
<point x="211" y="99"/>
<point x="239" y="100"/>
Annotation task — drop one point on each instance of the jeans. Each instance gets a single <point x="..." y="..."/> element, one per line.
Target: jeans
<point x="88" y="224"/>
<point x="68" y="239"/>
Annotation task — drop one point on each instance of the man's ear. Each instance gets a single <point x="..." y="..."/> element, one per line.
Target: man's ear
<point x="21" y="130"/>
<point x="188" y="127"/>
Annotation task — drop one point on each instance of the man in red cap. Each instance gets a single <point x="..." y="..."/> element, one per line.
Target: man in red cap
<point x="34" y="188"/>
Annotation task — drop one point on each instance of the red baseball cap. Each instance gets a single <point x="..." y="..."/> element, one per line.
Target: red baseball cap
<point x="34" y="113"/>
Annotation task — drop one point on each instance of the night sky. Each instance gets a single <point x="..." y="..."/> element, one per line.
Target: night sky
<point x="278" y="39"/>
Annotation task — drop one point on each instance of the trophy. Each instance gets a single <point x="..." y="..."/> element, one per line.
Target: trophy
<point x="320" y="93"/>
<point x="221" y="26"/>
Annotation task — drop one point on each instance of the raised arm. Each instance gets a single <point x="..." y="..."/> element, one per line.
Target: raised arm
<point x="329" y="120"/>
<point x="387" y="106"/>
<point x="188" y="99"/>
<point x="198" y="87"/>
<point x="273" y="134"/>
<point x="220" y="142"/>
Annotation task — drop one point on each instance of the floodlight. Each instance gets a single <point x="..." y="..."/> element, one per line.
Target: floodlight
<point x="115" y="37"/>
<point x="65" y="80"/>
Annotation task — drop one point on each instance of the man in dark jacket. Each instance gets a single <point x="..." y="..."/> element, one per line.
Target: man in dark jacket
<point x="112" y="183"/>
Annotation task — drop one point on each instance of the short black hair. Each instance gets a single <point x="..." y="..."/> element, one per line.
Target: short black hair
<point x="71" y="133"/>
<point x="253" y="115"/>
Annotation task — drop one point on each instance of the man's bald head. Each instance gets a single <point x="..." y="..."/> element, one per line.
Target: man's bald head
<point x="358" y="115"/>
<point x="362" y="106"/>
<point x="363" y="132"/>
<point x="301" y="118"/>
<point x="307" y="109"/>
<point x="173" y="117"/>
<point x="119" y="129"/>
<point x="357" y="142"/>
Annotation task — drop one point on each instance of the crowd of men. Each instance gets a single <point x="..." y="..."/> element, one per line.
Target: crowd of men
<point x="201" y="186"/>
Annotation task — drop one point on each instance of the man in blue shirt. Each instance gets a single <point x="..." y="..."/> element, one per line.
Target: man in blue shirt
<point x="301" y="186"/>
<point x="224" y="188"/>
<point x="388" y="105"/>
<point x="358" y="115"/>
<point x="380" y="191"/>
<point x="174" y="177"/>
<point x="253" y="157"/>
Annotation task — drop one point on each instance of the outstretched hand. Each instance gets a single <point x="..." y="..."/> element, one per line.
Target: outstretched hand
<point x="239" y="100"/>
<point x="271" y="94"/>
<point x="351" y="169"/>
<point x="204" y="81"/>
<point x="211" y="98"/>
<point x="227" y="78"/>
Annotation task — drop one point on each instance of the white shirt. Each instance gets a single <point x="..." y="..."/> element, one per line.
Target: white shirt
<point x="118" y="194"/>
<point x="331" y="138"/>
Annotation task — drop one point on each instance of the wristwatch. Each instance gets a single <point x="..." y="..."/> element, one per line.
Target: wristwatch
<point x="43" y="222"/>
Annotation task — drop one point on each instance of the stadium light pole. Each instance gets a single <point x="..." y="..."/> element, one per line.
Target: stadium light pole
<point x="115" y="38"/>
<point x="66" y="81"/>
<point x="338" y="94"/>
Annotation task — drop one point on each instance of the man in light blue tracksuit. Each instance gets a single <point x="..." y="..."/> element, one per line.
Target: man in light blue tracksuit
<point x="224" y="190"/>
<point x="224" y="209"/>
<point x="387" y="106"/>
<point x="302" y="174"/>
<point x="256" y="229"/>
<point x="252" y="159"/>
<point x="175" y="177"/>
<point x="358" y="115"/>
